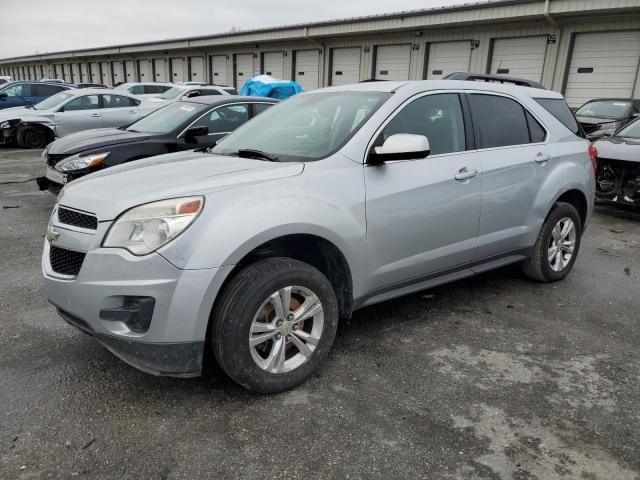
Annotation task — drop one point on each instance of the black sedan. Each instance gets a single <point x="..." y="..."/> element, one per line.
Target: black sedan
<point x="183" y="125"/>
<point x="603" y="116"/>
<point x="618" y="172"/>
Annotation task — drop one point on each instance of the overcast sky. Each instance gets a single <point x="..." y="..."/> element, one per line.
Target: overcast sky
<point x="30" y="26"/>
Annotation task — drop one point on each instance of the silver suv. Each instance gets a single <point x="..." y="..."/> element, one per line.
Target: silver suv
<point x="248" y="253"/>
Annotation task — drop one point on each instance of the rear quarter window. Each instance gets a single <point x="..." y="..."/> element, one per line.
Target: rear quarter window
<point x="559" y="109"/>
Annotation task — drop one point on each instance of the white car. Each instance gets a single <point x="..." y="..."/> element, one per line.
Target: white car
<point x="5" y="79"/>
<point x="69" y="112"/>
<point x="145" y="89"/>
<point x="188" y="90"/>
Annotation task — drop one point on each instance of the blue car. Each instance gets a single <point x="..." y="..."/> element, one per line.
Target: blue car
<point x="23" y="93"/>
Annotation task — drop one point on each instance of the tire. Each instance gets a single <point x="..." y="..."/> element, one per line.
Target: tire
<point x="248" y="307"/>
<point x="32" y="137"/>
<point x="545" y="267"/>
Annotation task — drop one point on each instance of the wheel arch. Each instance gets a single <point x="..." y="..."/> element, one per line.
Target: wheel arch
<point x="578" y="200"/>
<point x="45" y="128"/>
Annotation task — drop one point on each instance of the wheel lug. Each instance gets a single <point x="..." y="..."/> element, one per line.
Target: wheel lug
<point x="294" y="326"/>
<point x="278" y="336"/>
<point x="288" y="338"/>
<point x="290" y="317"/>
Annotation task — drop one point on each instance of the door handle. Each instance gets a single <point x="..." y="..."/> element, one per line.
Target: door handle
<point x="465" y="174"/>
<point x="542" y="157"/>
<point x="95" y="114"/>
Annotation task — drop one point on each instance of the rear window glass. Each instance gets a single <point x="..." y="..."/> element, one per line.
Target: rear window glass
<point x="559" y="109"/>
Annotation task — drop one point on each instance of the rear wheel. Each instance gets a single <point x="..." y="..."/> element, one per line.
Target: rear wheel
<point x="32" y="137"/>
<point x="274" y="324"/>
<point x="557" y="246"/>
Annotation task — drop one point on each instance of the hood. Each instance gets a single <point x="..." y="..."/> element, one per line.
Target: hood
<point x="18" y="113"/>
<point x="111" y="191"/>
<point x="596" y="120"/>
<point x="89" y="139"/>
<point x="618" y="148"/>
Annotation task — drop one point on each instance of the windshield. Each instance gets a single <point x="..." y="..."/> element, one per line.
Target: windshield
<point x="605" y="109"/>
<point x="630" y="131"/>
<point x="166" y="119"/>
<point x="53" y="101"/>
<point x="305" y="127"/>
<point x="172" y="93"/>
<point x="122" y="86"/>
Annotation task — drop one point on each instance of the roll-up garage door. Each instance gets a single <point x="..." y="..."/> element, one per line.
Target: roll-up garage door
<point x="145" y="67"/>
<point x="196" y="69"/>
<point x="177" y="70"/>
<point x="345" y="66"/>
<point x="95" y="72"/>
<point x="307" y="68"/>
<point x="118" y="72"/>
<point x="245" y="69"/>
<point x="160" y="74"/>
<point x="273" y="64"/>
<point x="219" y="70"/>
<point x="521" y="57"/>
<point x="392" y="62"/>
<point x="84" y="73"/>
<point x="603" y="65"/>
<point x="75" y="72"/>
<point x="67" y="73"/>
<point x="448" y="57"/>
<point x="106" y="73"/>
<point x="130" y="71"/>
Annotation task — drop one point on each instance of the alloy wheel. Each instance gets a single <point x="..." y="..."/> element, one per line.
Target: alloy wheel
<point x="561" y="244"/>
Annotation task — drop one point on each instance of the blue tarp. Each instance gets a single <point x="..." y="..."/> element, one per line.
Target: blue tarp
<point x="279" y="89"/>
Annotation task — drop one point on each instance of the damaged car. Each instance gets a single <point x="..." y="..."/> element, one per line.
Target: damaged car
<point x="603" y="116"/>
<point x="35" y="126"/>
<point x="618" y="173"/>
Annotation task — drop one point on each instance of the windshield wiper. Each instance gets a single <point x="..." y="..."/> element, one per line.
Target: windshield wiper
<point x="251" y="153"/>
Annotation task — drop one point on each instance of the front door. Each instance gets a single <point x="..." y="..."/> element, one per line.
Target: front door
<point x="423" y="214"/>
<point x="81" y="113"/>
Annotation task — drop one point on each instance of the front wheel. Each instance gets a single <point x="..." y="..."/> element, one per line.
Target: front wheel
<point x="32" y="137"/>
<point x="274" y="324"/>
<point x="557" y="245"/>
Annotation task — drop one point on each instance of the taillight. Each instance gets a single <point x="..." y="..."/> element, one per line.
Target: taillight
<point x="593" y="155"/>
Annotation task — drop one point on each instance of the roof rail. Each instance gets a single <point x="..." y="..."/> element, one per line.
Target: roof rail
<point x="484" y="77"/>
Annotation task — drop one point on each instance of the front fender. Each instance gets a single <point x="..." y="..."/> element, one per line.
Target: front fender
<point x="327" y="204"/>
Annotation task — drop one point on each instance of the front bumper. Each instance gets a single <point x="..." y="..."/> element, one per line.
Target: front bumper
<point x="174" y="342"/>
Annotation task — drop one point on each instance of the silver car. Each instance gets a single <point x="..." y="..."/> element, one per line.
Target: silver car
<point x="249" y="253"/>
<point x="145" y="89"/>
<point x="69" y="112"/>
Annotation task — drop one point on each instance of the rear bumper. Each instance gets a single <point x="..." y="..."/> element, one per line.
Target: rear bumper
<point x="181" y="359"/>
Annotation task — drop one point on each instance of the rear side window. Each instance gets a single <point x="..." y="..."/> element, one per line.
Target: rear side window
<point x="536" y="132"/>
<point x="210" y="92"/>
<point x="155" y="88"/>
<point x="136" y="89"/>
<point x="47" y="90"/>
<point x="559" y="109"/>
<point x="118" y="101"/>
<point x="260" y="107"/>
<point x="500" y="121"/>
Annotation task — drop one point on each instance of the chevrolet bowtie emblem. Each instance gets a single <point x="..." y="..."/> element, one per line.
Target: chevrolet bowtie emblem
<point x="52" y="235"/>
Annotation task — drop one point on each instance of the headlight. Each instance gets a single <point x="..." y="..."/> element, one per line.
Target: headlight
<point x="145" y="228"/>
<point x="609" y="126"/>
<point x="5" y="124"/>
<point x="78" y="163"/>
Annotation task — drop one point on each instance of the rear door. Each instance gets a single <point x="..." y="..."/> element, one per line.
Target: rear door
<point x="81" y="113"/>
<point x="119" y="110"/>
<point x="515" y="157"/>
<point x="422" y="215"/>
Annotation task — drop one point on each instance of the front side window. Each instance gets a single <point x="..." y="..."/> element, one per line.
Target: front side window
<point x="437" y="117"/>
<point x="18" y="90"/>
<point x="224" y="119"/>
<point x="136" y="89"/>
<point x="166" y="119"/>
<point x="86" y="102"/>
<point x="614" y="109"/>
<point x="305" y="127"/>
<point x="501" y="121"/>
<point x="118" y="101"/>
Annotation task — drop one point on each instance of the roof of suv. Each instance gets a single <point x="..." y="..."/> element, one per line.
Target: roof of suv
<point x="426" y="85"/>
<point x="40" y="82"/>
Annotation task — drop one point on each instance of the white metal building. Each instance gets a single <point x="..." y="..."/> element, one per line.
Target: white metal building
<point x="583" y="48"/>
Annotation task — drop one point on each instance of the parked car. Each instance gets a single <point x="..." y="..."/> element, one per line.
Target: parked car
<point x="24" y="93"/>
<point x="150" y="89"/>
<point x="5" y="79"/>
<point x="603" y="116"/>
<point x="68" y="112"/>
<point x="330" y="201"/>
<point x="91" y="85"/>
<point x="618" y="173"/>
<point x="183" y="125"/>
<point x="181" y="92"/>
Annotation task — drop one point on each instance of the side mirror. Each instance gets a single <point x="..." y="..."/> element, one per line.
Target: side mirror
<point x="3" y="95"/>
<point x="194" y="132"/>
<point x="401" y="146"/>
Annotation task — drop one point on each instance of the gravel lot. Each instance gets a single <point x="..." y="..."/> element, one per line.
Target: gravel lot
<point x="493" y="377"/>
